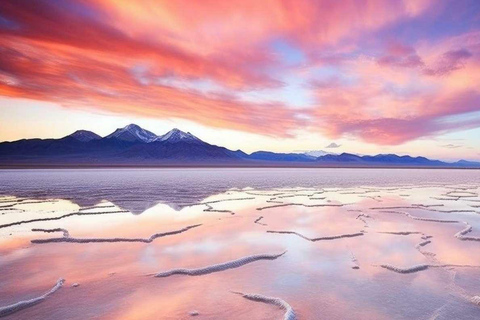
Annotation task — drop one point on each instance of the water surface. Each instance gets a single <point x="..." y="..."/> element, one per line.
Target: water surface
<point x="358" y="243"/>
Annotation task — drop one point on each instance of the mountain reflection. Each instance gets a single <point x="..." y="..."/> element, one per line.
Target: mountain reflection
<point x="139" y="189"/>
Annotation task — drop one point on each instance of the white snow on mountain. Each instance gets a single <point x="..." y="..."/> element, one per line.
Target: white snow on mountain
<point x="176" y="135"/>
<point x="132" y="132"/>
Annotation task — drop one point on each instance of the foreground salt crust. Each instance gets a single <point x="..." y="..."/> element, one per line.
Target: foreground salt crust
<point x="7" y="310"/>
<point x="289" y="312"/>
<point x="221" y="266"/>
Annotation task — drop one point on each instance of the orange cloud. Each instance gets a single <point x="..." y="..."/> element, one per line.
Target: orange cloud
<point x="201" y="61"/>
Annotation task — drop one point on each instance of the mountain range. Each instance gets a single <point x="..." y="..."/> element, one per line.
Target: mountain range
<point x="135" y="146"/>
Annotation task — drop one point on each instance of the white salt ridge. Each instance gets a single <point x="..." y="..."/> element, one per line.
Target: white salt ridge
<point x="274" y="201"/>
<point x="374" y="198"/>
<point x="340" y="236"/>
<point x="456" y="195"/>
<point x="400" y="233"/>
<point x="96" y="207"/>
<point x="421" y="267"/>
<point x="264" y="194"/>
<point x="97" y="240"/>
<point x="10" y="209"/>
<point x="220" y="267"/>
<point x="425" y="241"/>
<point x="475" y="300"/>
<point x="456" y="211"/>
<point x="362" y="217"/>
<point x="304" y="205"/>
<point x="65" y="232"/>
<point x="423" y="244"/>
<point x="413" y="269"/>
<point x="438" y="210"/>
<point x="460" y="187"/>
<point x="412" y="206"/>
<point x="216" y="201"/>
<point x="289" y="196"/>
<point x="8" y="310"/>
<point x="356" y="192"/>
<point x="421" y="218"/>
<point x="26" y="201"/>
<point x="427" y="207"/>
<point x="446" y="198"/>
<point x="257" y="221"/>
<point x="316" y="192"/>
<point x="289" y="312"/>
<point x="462" y="194"/>
<point x="420" y="245"/>
<point x="318" y="198"/>
<point x="461" y="234"/>
<point x="78" y="213"/>
<point x="211" y="209"/>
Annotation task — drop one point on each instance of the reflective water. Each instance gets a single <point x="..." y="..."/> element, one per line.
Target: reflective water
<point x="353" y="240"/>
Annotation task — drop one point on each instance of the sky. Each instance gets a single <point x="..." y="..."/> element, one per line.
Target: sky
<point x="364" y="76"/>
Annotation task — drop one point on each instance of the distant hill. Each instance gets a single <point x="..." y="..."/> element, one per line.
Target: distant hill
<point x="135" y="146"/>
<point x="83" y="136"/>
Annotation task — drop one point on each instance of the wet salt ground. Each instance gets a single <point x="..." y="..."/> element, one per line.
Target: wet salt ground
<point x="317" y="279"/>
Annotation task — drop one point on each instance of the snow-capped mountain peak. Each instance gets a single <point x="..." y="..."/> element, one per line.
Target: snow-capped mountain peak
<point x="84" y="135"/>
<point x="176" y="135"/>
<point x="132" y="132"/>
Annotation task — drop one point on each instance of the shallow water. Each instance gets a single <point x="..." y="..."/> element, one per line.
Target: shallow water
<point x="360" y="243"/>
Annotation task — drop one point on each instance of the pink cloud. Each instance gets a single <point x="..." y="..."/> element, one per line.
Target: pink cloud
<point x="449" y="61"/>
<point x="399" y="55"/>
<point x="199" y="59"/>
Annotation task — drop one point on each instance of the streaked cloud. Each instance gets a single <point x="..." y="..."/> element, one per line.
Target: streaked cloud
<point x="353" y="69"/>
<point x="333" y="145"/>
<point x="451" y="146"/>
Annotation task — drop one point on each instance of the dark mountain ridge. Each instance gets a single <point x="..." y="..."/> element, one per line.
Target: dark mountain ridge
<point x="135" y="146"/>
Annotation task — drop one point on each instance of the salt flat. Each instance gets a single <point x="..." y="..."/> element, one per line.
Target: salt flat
<point x="240" y="244"/>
